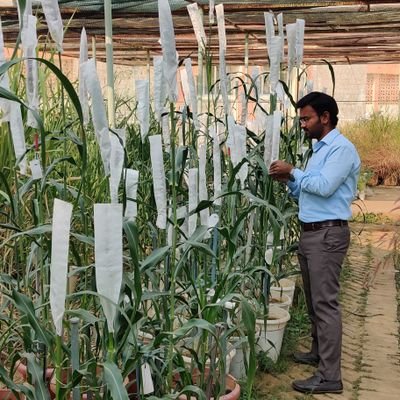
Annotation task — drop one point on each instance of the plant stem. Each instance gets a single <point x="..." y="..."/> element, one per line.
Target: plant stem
<point x="111" y="347"/>
<point x="174" y="240"/>
<point x="65" y="135"/>
<point x="58" y="366"/>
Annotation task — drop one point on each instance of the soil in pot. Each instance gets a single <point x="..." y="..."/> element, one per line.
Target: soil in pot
<point x="281" y="300"/>
<point x="286" y="286"/>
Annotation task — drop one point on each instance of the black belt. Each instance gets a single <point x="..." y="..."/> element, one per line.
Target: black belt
<point x="315" y="226"/>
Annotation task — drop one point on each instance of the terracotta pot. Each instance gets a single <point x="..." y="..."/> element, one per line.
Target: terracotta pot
<point x="130" y="383"/>
<point x="131" y="386"/>
<point x="232" y="390"/>
<point x="23" y="371"/>
<point x="65" y="374"/>
<point x="7" y="394"/>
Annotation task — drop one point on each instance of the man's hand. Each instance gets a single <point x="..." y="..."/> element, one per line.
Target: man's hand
<point x="280" y="170"/>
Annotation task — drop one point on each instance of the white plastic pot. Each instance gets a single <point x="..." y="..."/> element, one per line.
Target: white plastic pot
<point x="286" y="286"/>
<point x="281" y="300"/>
<point x="271" y="333"/>
<point x="237" y="364"/>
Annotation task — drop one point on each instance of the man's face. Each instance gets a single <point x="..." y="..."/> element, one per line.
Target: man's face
<point x="311" y="123"/>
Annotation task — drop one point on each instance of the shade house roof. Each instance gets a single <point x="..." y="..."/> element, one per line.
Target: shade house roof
<point x="341" y="32"/>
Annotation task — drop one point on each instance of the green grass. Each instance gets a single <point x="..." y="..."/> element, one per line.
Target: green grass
<point x="377" y="140"/>
<point x="371" y="218"/>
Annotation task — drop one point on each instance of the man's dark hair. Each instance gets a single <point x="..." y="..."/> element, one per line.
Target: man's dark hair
<point x="321" y="102"/>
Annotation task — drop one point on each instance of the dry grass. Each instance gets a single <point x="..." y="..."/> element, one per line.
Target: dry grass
<point x="378" y="142"/>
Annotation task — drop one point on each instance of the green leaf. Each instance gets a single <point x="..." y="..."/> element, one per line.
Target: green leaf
<point x="3" y="179"/>
<point x="25" y="306"/>
<point x="36" y="371"/>
<point x="6" y="94"/>
<point x="10" y="227"/>
<point x="198" y="234"/>
<point x="239" y="224"/>
<point x="200" y="246"/>
<point x="83" y="238"/>
<point x="195" y="390"/>
<point x="67" y="85"/>
<point x="235" y="171"/>
<point x="84" y="315"/>
<point x="154" y="295"/>
<point x="261" y="202"/>
<point x="332" y="76"/>
<point x="180" y="161"/>
<point x="195" y="323"/>
<point x="287" y="92"/>
<point x="114" y="381"/>
<point x="201" y="206"/>
<point x="154" y="258"/>
<point x="53" y="165"/>
<point x="39" y="230"/>
<point x="132" y="236"/>
<point x="249" y="321"/>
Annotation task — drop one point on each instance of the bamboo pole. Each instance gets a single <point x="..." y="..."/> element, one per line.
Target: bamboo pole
<point x="200" y="75"/>
<point x="109" y="55"/>
<point x="246" y="54"/>
<point x="148" y="66"/>
<point x="94" y="53"/>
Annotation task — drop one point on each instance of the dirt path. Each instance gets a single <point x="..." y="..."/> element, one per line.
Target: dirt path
<point x="370" y="359"/>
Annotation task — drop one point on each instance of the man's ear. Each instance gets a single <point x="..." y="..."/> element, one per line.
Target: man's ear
<point x="325" y="118"/>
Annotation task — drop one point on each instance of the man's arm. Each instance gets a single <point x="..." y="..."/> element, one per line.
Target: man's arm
<point x="285" y="172"/>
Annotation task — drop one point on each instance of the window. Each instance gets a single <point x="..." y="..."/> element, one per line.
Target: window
<point x="382" y="88"/>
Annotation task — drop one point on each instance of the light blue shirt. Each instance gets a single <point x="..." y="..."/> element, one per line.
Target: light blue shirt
<point x="328" y="185"/>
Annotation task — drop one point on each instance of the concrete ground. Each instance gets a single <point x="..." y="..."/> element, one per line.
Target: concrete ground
<point x="380" y="200"/>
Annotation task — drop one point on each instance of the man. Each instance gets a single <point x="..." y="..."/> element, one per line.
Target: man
<point x="325" y="191"/>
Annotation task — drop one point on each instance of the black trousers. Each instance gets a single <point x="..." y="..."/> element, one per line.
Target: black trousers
<point x="321" y="254"/>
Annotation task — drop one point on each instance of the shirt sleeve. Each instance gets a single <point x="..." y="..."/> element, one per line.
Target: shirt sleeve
<point x="333" y="173"/>
<point x="294" y="186"/>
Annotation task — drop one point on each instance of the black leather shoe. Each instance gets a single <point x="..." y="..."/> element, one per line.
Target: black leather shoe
<point x="306" y="358"/>
<point x="317" y="385"/>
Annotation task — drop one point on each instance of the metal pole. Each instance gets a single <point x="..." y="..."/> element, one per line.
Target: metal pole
<point x="109" y="55"/>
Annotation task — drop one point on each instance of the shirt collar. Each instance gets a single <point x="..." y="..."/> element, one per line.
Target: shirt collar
<point x="327" y="139"/>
